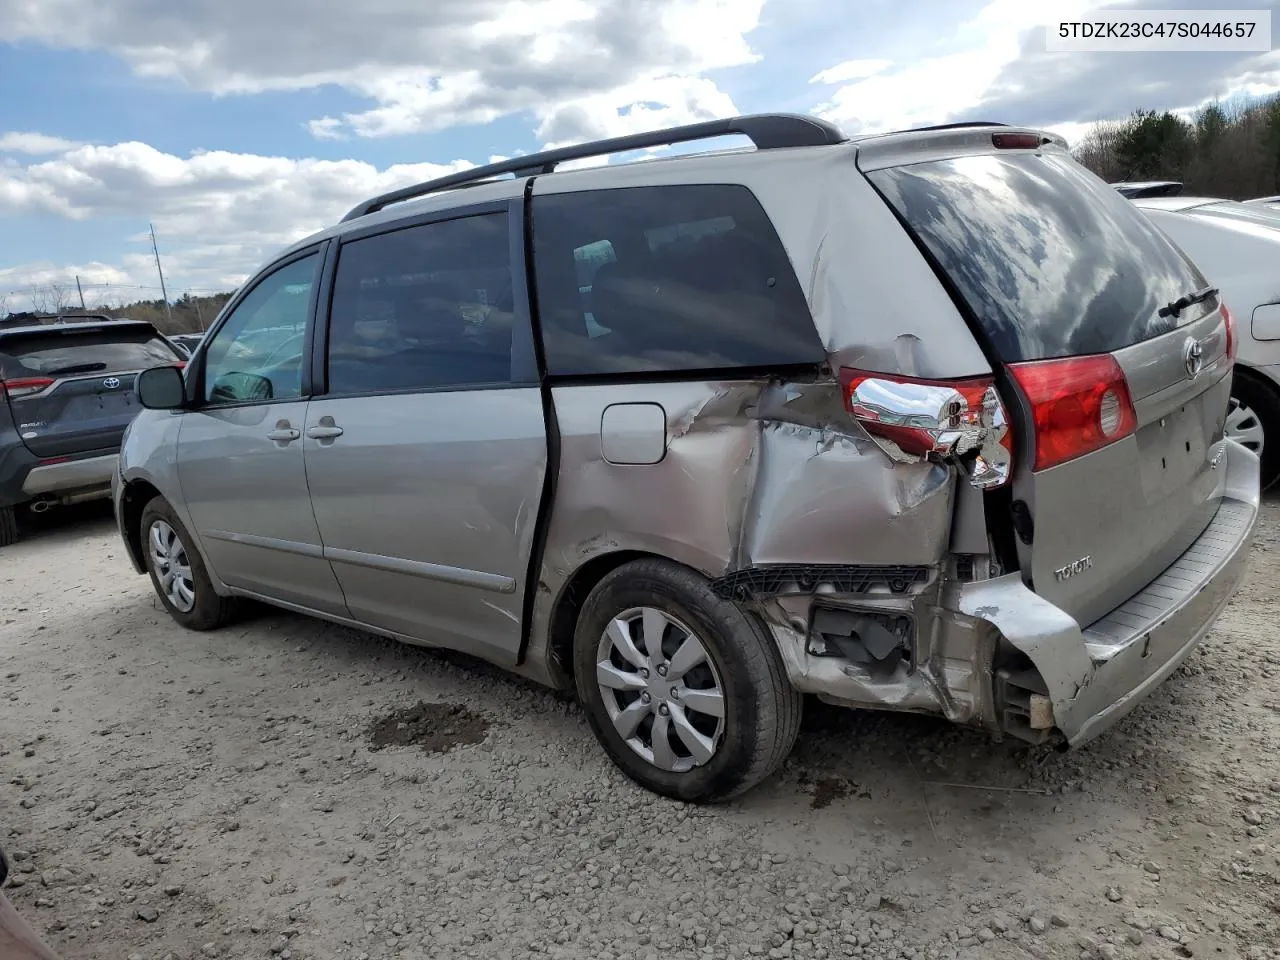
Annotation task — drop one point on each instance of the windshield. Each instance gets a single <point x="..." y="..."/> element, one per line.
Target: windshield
<point x="1051" y="260"/>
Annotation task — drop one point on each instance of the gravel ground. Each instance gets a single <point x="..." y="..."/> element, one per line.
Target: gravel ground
<point x="286" y="788"/>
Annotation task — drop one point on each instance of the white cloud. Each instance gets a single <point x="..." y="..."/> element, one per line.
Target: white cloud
<point x="424" y="66"/>
<point x="218" y="214"/>
<point x="649" y="105"/>
<point x="33" y="143"/>
<point x="851" y="70"/>
<point x="935" y="89"/>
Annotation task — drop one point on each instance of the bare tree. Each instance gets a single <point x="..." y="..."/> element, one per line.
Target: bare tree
<point x="52" y="298"/>
<point x="4" y="306"/>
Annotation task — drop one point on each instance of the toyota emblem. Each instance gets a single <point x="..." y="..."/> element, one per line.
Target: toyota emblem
<point x="111" y="382"/>
<point x="1192" y="356"/>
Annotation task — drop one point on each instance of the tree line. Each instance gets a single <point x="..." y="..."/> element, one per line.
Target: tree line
<point x="1229" y="150"/>
<point x="186" y="314"/>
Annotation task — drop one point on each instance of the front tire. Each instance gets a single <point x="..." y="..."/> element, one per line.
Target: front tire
<point x="685" y="691"/>
<point x="178" y="572"/>
<point x="1253" y="419"/>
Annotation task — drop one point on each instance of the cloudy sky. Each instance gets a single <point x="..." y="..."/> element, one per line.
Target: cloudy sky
<point x="237" y="126"/>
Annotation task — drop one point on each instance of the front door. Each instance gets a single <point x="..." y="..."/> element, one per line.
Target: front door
<point x="426" y="454"/>
<point x="240" y="460"/>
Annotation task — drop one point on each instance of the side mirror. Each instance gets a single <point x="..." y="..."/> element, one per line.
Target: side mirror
<point x="161" y="388"/>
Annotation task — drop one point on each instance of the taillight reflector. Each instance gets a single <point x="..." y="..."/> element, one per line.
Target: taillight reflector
<point x="1079" y="404"/>
<point x="1229" y="323"/>
<point x="24" y="386"/>
<point x="1015" y="141"/>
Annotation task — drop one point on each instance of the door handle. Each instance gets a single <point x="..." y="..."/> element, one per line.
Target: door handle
<point x="284" y="432"/>
<point x="326" y="429"/>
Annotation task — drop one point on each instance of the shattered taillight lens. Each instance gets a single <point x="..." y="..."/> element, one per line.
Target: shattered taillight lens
<point x="912" y="418"/>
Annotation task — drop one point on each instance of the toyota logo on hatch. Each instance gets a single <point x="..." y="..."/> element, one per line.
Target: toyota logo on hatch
<point x="111" y="382"/>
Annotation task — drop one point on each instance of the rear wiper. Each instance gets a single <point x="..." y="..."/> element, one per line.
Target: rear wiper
<point x="1177" y="306"/>
<point x="79" y="368"/>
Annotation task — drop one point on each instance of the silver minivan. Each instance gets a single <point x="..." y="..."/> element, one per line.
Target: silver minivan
<point x="928" y="421"/>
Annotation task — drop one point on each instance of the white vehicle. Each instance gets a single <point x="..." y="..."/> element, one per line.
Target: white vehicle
<point x="1237" y="246"/>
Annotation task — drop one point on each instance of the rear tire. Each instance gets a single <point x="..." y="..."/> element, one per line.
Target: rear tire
<point x="1254" y="420"/>
<point x="178" y="572"/>
<point x="8" y="526"/>
<point x="673" y="743"/>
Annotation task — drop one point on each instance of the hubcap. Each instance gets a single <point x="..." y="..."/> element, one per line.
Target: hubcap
<point x="173" y="569"/>
<point x="1243" y="426"/>
<point x="660" y="688"/>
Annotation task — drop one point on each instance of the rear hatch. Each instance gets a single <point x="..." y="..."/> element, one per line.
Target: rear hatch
<point x="70" y="386"/>
<point x="1118" y="400"/>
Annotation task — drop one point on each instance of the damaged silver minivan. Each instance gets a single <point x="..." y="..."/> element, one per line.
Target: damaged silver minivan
<point x="927" y="421"/>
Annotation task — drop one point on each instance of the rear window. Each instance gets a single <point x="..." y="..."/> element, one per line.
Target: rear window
<point x="666" y="279"/>
<point x="66" y="352"/>
<point x="1052" y="261"/>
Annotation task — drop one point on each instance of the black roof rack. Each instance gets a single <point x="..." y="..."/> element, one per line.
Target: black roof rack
<point x="767" y="131"/>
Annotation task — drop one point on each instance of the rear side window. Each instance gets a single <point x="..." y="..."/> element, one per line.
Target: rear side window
<point x="1052" y="261"/>
<point x="65" y="351"/>
<point x="423" y="308"/>
<point x="666" y="279"/>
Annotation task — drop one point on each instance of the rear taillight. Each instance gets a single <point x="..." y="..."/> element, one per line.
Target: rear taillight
<point x="181" y="364"/>
<point x="1079" y="404"/>
<point x="1229" y="324"/>
<point x="912" y="419"/>
<point x="24" y="386"/>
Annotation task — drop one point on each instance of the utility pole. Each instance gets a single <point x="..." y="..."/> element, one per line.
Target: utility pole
<point x="199" y="315"/>
<point x="79" y="291"/>
<point x="164" y="293"/>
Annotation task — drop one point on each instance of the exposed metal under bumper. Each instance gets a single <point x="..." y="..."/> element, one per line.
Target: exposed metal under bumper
<point x="52" y="479"/>
<point x="1097" y="675"/>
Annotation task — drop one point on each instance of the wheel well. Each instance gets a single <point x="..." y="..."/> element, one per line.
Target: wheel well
<point x="137" y="494"/>
<point x="564" y="617"/>
<point x="1255" y="379"/>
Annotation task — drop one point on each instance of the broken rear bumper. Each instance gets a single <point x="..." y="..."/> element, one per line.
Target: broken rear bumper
<point x="1093" y="677"/>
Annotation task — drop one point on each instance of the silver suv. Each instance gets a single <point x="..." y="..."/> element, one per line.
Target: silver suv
<point x="929" y="421"/>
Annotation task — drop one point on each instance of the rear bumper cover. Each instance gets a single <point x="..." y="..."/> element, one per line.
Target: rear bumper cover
<point x="1097" y="675"/>
<point x="51" y="479"/>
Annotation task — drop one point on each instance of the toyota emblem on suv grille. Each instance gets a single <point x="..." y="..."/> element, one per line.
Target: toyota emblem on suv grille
<point x="1192" y="356"/>
<point x="111" y="382"/>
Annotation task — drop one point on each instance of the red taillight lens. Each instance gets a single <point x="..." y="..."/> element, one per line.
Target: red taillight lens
<point x="24" y="386"/>
<point x="1229" y="323"/>
<point x="912" y="418"/>
<point x="1079" y="404"/>
<point x="1015" y="141"/>
<point x="181" y="364"/>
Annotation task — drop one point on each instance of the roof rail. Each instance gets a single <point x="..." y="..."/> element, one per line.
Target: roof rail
<point x="767" y="131"/>
<point x="954" y="126"/>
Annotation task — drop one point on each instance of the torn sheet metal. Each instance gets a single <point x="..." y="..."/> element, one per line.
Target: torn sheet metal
<point x="948" y="673"/>
<point x="755" y="472"/>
